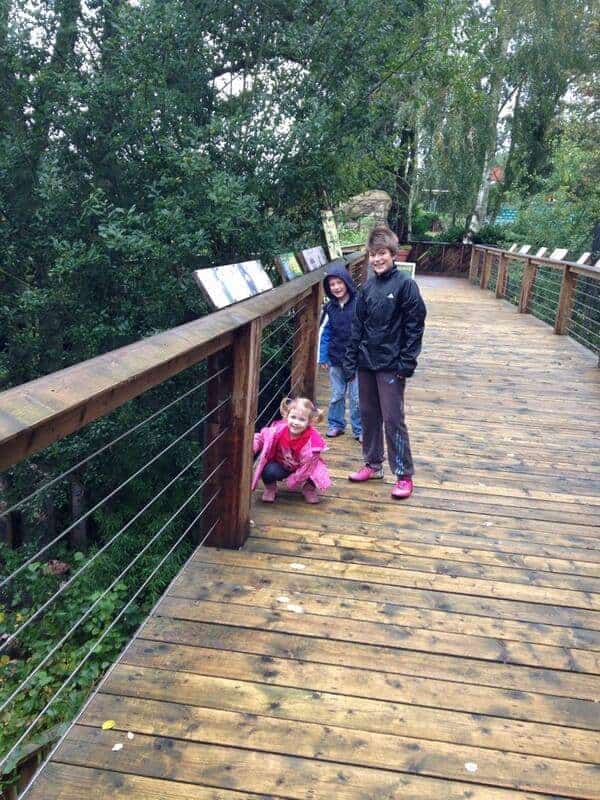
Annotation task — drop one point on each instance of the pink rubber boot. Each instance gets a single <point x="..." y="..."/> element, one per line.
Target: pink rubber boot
<point x="270" y="493"/>
<point x="310" y="493"/>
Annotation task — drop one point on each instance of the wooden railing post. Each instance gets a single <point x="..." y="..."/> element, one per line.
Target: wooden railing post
<point x="473" y="263"/>
<point x="565" y="301"/>
<point x="231" y="510"/>
<point x="502" y="274"/>
<point x="306" y="340"/>
<point x="485" y="271"/>
<point x="527" y="283"/>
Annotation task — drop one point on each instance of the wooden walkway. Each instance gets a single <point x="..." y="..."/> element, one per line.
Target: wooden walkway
<point x="445" y="647"/>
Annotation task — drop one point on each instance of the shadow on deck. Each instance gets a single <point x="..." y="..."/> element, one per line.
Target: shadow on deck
<point x="443" y="647"/>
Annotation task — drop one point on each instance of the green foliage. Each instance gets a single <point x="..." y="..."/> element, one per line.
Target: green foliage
<point x="492" y="234"/>
<point x="422" y="221"/>
<point x="453" y="233"/>
<point x="566" y="209"/>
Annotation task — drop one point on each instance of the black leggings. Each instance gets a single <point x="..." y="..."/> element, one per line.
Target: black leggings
<point x="274" y="472"/>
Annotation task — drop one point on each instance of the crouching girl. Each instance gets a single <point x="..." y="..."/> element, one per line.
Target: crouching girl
<point x="290" y="451"/>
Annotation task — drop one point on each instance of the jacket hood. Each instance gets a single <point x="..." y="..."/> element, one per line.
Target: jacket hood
<point x="337" y="269"/>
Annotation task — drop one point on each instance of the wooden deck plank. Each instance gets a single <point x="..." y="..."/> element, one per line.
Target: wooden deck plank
<point x="300" y="778"/>
<point x="445" y="647"/>
<point x="330" y="743"/>
<point x="276" y="594"/>
<point x="350" y="710"/>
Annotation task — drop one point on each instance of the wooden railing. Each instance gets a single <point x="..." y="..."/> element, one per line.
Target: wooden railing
<point x="565" y="294"/>
<point x="36" y="414"/>
<point x="224" y="349"/>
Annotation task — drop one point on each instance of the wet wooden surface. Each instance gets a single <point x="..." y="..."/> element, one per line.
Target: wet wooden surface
<point x="442" y="647"/>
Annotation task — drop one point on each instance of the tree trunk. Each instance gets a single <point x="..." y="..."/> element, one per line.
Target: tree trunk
<point x="498" y="59"/>
<point x="11" y="528"/>
<point x="399" y="216"/>
<point x="78" y="537"/>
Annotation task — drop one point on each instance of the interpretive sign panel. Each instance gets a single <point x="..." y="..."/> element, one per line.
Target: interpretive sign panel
<point x="231" y="283"/>
<point x="313" y="258"/>
<point x="288" y="266"/>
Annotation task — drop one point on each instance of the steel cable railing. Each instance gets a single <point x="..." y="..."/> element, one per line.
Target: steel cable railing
<point x="95" y="604"/>
<point x="36" y="660"/>
<point x="584" y="324"/>
<point x="543" y="299"/>
<point x="65" y="585"/>
<point x="91" y="650"/>
<point x="154" y="572"/>
<point x="111" y="494"/>
<point x="290" y="317"/>
<point x="110" y="444"/>
<point x="514" y="279"/>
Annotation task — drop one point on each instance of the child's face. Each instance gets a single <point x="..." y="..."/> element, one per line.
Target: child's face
<point x="298" y="420"/>
<point x="381" y="260"/>
<point x="338" y="288"/>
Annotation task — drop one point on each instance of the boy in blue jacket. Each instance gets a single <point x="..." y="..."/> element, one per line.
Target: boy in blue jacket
<point x="387" y="332"/>
<point x="336" y="324"/>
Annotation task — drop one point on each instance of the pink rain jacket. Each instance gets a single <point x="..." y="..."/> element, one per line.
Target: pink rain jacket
<point x="311" y="466"/>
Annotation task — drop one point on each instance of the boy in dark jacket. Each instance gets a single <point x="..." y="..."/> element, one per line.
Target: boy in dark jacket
<point x="335" y="333"/>
<point x="387" y="331"/>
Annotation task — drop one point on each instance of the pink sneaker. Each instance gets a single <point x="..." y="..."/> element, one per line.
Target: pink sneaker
<point x="310" y="493"/>
<point x="366" y="473"/>
<point x="403" y="488"/>
<point x="270" y="493"/>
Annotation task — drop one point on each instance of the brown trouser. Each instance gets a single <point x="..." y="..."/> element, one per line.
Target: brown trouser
<point x="381" y="397"/>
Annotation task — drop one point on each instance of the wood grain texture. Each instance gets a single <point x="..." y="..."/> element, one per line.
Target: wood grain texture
<point x="443" y="647"/>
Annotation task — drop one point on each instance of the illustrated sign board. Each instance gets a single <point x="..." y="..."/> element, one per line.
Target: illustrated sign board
<point x="313" y="258"/>
<point x="288" y="266"/>
<point x="231" y="283"/>
<point x="331" y="235"/>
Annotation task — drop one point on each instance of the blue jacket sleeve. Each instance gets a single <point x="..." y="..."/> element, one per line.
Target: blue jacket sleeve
<point x="324" y="339"/>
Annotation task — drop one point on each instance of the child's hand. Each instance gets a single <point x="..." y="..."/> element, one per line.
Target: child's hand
<point x="324" y="365"/>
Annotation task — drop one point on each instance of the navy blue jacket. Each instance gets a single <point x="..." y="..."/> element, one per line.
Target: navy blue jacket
<point x="336" y="319"/>
<point x="388" y="326"/>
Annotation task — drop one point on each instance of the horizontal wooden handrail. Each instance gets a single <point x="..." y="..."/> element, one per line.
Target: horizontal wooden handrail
<point x="47" y="409"/>
<point x="480" y="270"/>
<point x="580" y="269"/>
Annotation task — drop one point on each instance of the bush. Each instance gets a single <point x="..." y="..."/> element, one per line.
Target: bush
<point x="454" y="233"/>
<point x="422" y="221"/>
<point x="492" y="234"/>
